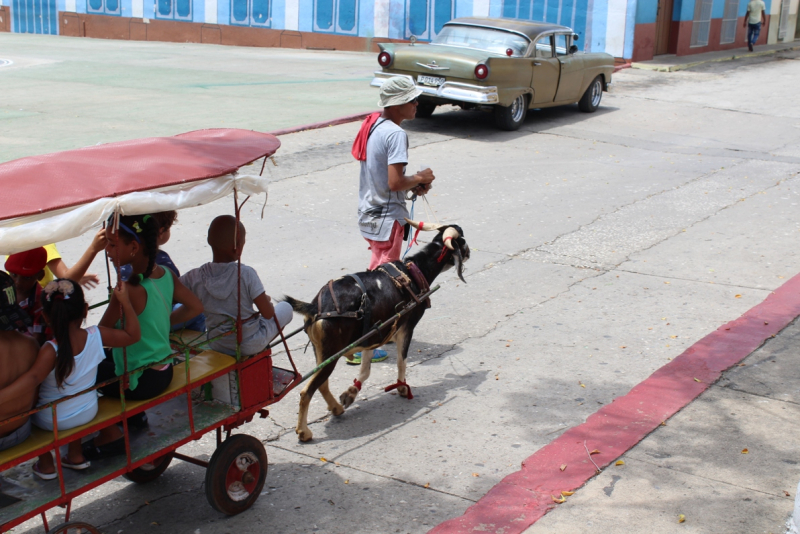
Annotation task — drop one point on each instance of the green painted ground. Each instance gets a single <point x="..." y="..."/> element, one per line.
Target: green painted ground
<point x="64" y="92"/>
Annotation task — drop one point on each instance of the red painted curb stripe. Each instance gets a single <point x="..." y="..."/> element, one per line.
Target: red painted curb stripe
<point x="522" y="498"/>
<point x="324" y="124"/>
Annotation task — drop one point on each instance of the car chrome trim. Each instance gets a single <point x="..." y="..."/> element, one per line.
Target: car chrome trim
<point x="462" y="92"/>
<point x="432" y="66"/>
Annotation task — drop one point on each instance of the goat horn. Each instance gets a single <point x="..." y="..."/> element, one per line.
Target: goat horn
<point x="426" y="227"/>
<point x="449" y="235"/>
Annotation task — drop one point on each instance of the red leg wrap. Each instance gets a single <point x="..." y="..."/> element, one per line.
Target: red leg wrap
<point x="397" y="385"/>
<point x="357" y="384"/>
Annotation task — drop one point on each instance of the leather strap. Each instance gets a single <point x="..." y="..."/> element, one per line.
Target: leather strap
<point x="366" y="305"/>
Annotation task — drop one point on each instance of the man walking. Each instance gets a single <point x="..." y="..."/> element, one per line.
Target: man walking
<point x="382" y="148"/>
<point x="753" y="20"/>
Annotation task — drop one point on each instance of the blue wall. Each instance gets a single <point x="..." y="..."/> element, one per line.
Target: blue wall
<point x="422" y="18"/>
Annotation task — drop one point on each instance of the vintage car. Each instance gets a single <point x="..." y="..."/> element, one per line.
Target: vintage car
<point x="508" y="66"/>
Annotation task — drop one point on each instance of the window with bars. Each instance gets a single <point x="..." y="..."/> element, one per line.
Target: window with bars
<point x="174" y="9"/>
<point x="729" y="22"/>
<point x="336" y="16"/>
<point x="425" y="18"/>
<point x="103" y="7"/>
<point x="249" y="12"/>
<point x="701" y="25"/>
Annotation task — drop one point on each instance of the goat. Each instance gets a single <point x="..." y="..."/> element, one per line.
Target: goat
<point x="332" y="323"/>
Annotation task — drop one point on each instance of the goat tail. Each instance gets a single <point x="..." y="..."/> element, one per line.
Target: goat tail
<point x="304" y="308"/>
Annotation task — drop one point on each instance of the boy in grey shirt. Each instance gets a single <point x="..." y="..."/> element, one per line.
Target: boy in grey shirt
<point x="215" y="284"/>
<point x="382" y="148"/>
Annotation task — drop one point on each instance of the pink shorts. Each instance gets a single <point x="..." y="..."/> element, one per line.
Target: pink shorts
<point x="386" y="251"/>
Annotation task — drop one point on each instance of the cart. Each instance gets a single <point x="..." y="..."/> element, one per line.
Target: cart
<point x="85" y="187"/>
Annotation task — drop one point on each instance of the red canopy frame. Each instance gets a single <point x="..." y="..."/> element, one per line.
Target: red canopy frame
<point x="39" y="184"/>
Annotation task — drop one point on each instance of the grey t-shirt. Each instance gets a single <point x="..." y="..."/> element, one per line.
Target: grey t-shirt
<point x="215" y="284"/>
<point x="378" y="206"/>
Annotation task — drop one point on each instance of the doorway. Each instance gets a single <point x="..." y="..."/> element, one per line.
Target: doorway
<point x="663" y="23"/>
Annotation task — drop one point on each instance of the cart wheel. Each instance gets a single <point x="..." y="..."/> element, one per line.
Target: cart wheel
<point x="149" y="472"/>
<point x="74" y="527"/>
<point x="236" y="474"/>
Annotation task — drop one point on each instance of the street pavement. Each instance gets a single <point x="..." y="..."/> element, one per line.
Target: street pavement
<point x="603" y="246"/>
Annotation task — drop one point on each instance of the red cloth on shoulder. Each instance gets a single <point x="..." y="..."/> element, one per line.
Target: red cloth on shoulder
<point x="359" y="150"/>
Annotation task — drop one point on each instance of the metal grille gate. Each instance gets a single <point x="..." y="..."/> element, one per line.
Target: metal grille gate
<point x="702" y="22"/>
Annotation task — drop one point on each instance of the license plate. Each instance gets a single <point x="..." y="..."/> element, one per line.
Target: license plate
<point x="433" y="81"/>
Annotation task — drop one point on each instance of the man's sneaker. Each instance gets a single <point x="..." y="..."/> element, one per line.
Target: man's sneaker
<point x="378" y="355"/>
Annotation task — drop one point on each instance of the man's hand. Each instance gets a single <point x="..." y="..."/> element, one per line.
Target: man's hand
<point x="425" y="176"/>
<point x="422" y="189"/>
<point x="399" y="182"/>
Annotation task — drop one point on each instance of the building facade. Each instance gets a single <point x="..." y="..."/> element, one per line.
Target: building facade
<point x="627" y="29"/>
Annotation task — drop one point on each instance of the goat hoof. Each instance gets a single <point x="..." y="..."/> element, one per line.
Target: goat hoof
<point x="304" y="435"/>
<point x="337" y="410"/>
<point x="402" y="391"/>
<point x="348" y="397"/>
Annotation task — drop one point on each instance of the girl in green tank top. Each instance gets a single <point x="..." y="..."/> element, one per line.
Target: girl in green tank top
<point x="152" y="290"/>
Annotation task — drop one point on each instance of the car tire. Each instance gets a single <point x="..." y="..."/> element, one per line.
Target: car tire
<point x="590" y="100"/>
<point x="511" y="117"/>
<point x="425" y="110"/>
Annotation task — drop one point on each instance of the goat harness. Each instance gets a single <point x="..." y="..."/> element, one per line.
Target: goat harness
<point x="401" y="280"/>
<point x="364" y="312"/>
<point x="403" y="283"/>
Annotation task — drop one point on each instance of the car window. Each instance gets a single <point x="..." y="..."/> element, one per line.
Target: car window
<point x="561" y="45"/>
<point x="544" y="47"/>
<point x="487" y="39"/>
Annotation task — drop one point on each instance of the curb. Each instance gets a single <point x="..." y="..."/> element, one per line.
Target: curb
<point x="524" y="497"/>
<point x="324" y="124"/>
<point x="683" y="66"/>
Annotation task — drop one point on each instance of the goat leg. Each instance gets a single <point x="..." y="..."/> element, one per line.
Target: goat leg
<point x="348" y="397"/>
<point x="403" y="341"/>
<point x="334" y="407"/>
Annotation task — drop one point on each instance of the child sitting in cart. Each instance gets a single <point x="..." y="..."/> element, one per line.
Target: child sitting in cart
<point x="28" y="269"/>
<point x="152" y="290"/>
<point x="165" y="220"/>
<point x="68" y="366"/>
<point x="216" y="285"/>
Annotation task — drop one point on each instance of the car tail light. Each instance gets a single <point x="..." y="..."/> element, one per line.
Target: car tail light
<point x="384" y="59"/>
<point x="509" y="52"/>
<point x="481" y="71"/>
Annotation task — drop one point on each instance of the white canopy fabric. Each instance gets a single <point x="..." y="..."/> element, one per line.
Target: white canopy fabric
<point x="25" y="233"/>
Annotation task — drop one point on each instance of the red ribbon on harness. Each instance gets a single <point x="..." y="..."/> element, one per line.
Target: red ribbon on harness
<point x="444" y="250"/>
<point x="397" y="385"/>
<point x="357" y="384"/>
<point x="414" y="239"/>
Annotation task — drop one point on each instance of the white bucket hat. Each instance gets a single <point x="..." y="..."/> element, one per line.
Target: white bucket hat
<point x="398" y="90"/>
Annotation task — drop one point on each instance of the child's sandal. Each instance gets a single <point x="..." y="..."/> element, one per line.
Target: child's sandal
<point x="43" y="476"/>
<point x="77" y="467"/>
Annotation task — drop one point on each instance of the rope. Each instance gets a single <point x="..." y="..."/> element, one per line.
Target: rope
<point x="430" y="214"/>
<point x="411" y="216"/>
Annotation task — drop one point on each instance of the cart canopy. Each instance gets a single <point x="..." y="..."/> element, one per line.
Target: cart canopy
<point x="53" y="197"/>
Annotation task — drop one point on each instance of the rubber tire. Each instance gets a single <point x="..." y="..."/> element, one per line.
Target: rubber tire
<point x="508" y="118"/>
<point x="143" y="476"/>
<point x="585" y="104"/>
<point x="221" y="461"/>
<point x="425" y="110"/>
<point x="72" y="527"/>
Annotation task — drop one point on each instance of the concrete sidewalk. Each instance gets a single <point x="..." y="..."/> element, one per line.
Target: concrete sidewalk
<point x="673" y="63"/>
<point x="728" y="462"/>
